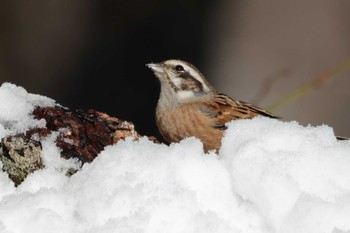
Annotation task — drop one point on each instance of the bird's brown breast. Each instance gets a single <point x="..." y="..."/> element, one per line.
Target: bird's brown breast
<point x="185" y="121"/>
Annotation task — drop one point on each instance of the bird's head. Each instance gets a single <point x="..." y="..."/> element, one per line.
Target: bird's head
<point x="180" y="81"/>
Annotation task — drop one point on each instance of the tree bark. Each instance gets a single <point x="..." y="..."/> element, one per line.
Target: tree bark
<point x="81" y="135"/>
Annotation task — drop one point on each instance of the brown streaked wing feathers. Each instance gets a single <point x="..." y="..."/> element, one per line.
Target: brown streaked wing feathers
<point x="224" y="109"/>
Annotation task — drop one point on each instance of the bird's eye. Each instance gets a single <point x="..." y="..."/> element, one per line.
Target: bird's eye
<point x="179" y="68"/>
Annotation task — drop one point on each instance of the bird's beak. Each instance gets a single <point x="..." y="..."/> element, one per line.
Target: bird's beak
<point x="156" y="67"/>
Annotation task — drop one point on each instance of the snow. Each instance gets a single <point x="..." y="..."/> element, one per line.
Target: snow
<point x="16" y="104"/>
<point x="269" y="176"/>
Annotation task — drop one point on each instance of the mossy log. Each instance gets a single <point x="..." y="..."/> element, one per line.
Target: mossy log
<point x="81" y="135"/>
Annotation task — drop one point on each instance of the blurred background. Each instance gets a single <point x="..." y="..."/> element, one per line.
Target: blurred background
<point x="92" y="53"/>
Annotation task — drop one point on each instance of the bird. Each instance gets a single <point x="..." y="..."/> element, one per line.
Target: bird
<point x="188" y="106"/>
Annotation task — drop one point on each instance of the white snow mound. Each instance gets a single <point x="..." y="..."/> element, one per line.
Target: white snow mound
<point x="269" y="176"/>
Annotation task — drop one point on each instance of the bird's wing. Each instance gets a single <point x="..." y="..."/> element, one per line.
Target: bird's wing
<point x="224" y="109"/>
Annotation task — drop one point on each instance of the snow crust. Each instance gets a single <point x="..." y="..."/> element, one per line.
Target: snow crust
<point x="269" y="176"/>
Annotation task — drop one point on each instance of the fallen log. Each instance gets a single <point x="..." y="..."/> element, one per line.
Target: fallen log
<point x="81" y="135"/>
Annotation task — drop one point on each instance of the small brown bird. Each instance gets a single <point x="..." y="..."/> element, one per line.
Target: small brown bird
<point x="189" y="106"/>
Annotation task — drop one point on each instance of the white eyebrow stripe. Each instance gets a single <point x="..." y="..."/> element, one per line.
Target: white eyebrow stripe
<point x="192" y="71"/>
<point x="199" y="78"/>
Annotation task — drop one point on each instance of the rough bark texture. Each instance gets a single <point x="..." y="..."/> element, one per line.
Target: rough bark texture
<point x="20" y="156"/>
<point x="81" y="135"/>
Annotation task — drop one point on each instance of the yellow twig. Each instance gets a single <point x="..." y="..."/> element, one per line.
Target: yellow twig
<point x="308" y="87"/>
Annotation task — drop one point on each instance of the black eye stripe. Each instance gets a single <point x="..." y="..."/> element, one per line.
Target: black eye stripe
<point x="185" y="75"/>
<point x="190" y="83"/>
